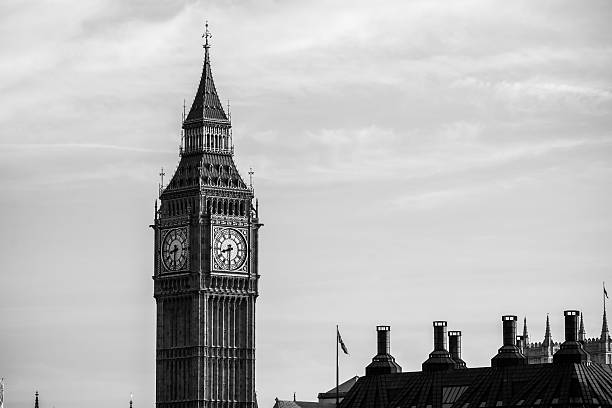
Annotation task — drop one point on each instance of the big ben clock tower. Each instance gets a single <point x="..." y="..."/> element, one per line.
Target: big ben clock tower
<point x="205" y="268"/>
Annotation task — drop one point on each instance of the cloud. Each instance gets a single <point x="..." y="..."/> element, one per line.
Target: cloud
<point x="376" y="153"/>
<point x="520" y="92"/>
<point x="69" y="166"/>
<point x="75" y="146"/>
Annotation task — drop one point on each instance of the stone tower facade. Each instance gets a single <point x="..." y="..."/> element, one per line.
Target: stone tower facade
<point x="599" y="349"/>
<point x="205" y="267"/>
<point x="539" y="353"/>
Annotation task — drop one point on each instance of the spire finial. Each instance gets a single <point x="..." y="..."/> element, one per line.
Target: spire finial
<point x="251" y="172"/>
<point x="161" y="184"/>
<point x="36" y="401"/>
<point x="206" y="36"/>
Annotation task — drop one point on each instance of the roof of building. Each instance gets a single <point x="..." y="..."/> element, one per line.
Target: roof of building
<point x="206" y="104"/>
<point x="301" y="404"/>
<point x="212" y="170"/>
<point x="342" y="389"/>
<point x="543" y="385"/>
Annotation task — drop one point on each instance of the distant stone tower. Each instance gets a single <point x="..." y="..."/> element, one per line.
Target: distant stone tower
<point x="540" y="353"/>
<point x="600" y="349"/>
<point x="205" y="267"/>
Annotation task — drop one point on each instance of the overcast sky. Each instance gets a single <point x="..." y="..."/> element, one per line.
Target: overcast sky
<point x="417" y="161"/>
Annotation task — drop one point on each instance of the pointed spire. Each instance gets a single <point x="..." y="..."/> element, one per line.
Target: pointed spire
<point x="605" y="334"/>
<point x="525" y="333"/>
<point x="206" y="104"/>
<point x="36" y="400"/>
<point x="547" y="336"/>
<point x="582" y="332"/>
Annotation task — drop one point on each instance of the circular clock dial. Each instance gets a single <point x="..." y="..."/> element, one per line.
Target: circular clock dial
<point x="229" y="249"/>
<point x="174" y="249"/>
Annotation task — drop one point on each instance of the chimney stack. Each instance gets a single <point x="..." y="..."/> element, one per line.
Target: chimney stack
<point x="454" y="347"/>
<point x="571" y="325"/>
<point x="571" y="350"/>
<point x="520" y="343"/>
<point x="383" y="333"/>
<point x="439" y="359"/>
<point x="509" y="354"/>
<point x="383" y="362"/>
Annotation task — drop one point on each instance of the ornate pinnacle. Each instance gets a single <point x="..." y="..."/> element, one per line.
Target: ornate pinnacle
<point x="525" y="333"/>
<point x="547" y="336"/>
<point x="581" y="332"/>
<point x="251" y="172"/>
<point x="206" y="35"/>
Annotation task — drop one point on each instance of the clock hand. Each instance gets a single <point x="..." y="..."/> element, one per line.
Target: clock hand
<point x="228" y="249"/>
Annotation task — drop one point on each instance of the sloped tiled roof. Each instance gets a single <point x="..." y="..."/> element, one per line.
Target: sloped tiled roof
<point x="342" y="389"/>
<point x="206" y="104"/>
<point x="543" y="385"/>
<point x="301" y="404"/>
<point x="217" y="171"/>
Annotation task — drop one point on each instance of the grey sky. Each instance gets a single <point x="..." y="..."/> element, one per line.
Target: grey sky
<point x="419" y="161"/>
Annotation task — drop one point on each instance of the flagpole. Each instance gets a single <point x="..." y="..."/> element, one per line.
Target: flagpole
<point x="337" y="369"/>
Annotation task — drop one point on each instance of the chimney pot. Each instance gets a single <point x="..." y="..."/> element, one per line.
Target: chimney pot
<point x="439" y="335"/>
<point x="454" y="347"/>
<point x="571" y="324"/>
<point x="383" y="362"/>
<point x="384" y="342"/>
<point x="571" y="351"/>
<point x="439" y="358"/>
<point x="509" y="354"/>
<point x="509" y="328"/>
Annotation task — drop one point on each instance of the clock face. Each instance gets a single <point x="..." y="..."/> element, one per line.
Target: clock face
<point x="174" y="249"/>
<point x="229" y="249"/>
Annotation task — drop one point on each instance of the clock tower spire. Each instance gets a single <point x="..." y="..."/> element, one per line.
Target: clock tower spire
<point x="205" y="266"/>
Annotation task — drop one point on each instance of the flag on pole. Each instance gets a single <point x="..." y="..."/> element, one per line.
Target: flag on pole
<point x="344" y="349"/>
<point x="605" y="291"/>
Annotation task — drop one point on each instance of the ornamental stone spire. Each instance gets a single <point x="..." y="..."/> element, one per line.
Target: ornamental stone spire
<point x="605" y="334"/>
<point x="582" y="332"/>
<point x="206" y="104"/>
<point x="548" y="343"/>
<point x="525" y="333"/>
<point x="207" y="128"/>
